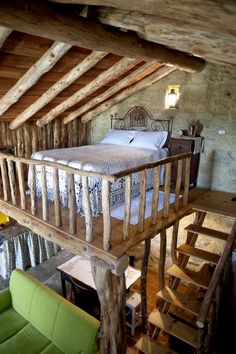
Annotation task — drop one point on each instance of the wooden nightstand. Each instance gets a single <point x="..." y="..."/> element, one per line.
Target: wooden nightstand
<point x="182" y="145"/>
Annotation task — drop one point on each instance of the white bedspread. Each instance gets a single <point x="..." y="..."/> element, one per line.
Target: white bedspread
<point x="103" y="158"/>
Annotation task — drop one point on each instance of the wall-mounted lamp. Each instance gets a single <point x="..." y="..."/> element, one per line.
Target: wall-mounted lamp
<point x="172" y="96"/>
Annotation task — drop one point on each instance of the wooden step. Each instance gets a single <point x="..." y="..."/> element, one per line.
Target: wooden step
<point x="198" y="253"/>
<point x="149" y="346"/>
<point x="176" y="328"/>
<point x="201" y="278"/>
<point x="183" y="301"/>
<point x="207" y="232"/>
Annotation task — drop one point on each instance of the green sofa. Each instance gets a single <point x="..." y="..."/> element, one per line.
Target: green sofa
<point x="34" y="319"/>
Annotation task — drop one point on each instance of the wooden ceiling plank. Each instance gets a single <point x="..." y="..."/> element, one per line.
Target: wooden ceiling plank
<point x="135" y="76"/>
<point x="59" y="86"/>
<point x="43" y="65"/>
<point x="42" y="19"/>
<point x="116" y="70"/>
<point x="148" y="81"/>
<point x="4" y="33"/>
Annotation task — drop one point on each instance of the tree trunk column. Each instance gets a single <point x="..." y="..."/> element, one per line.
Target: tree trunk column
<point x="111" y="292"/>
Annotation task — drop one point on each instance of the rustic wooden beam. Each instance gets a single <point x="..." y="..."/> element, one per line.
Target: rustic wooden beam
<point x="43" y="65"/>
<point x="59" y="86"/>
<point x="129" y="80"/>
<point x="148" y="81"/>
<point x="47" y="20"/>
<point x="113" y="72"/>
<point x="4" y="33"/>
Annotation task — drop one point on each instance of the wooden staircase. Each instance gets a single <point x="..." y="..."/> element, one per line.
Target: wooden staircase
<point x="172" y="299"/>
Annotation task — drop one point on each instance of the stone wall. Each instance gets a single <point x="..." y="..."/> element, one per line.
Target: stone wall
<point x="210" y="98"/>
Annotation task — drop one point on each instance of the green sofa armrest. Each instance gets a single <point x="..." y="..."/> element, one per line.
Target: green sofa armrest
<point x="5" y="299"/>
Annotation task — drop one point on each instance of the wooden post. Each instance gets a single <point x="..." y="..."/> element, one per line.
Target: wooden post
<point x="87" y="210"/>
<point x="142" y="200"/>
<point x="111" y="292"/>
<point x="34" y="138"/>
<point x="12" y="180"/>
<point x="57" y="204"/>
<point x="20" y="142"/>
<point x="44" y="193"/>
<point x="155" y="193"/>
<point x="186" y="180"/>
<point x="127" y="209"/>
<point x="174" y="242"/>
<point x="21" y="181"/>
<point x="5" y="181"/>
<point x="144" y="271"/>
<point x="32" y="189"/>
<point x="72" y="205"/>
<point x="106" y="215"/>
<point x="167" y="190"/>
<point x="162" y="259"/>
<point x="56" y="134"/>
<point x="178" y="183"/>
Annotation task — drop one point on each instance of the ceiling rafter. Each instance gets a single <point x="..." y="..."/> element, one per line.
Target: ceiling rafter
<point x="71" y="76"/>
<point x="112" y="73"/>
<point x="4" y="33"/>
<point x="135" y="76"/>
<point x="147" y="81"/>
<point x="43" y="65"/>
<point x="42" y="19"/>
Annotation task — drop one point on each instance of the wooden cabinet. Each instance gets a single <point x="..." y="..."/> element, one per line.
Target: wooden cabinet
<point x="180" y="146"/>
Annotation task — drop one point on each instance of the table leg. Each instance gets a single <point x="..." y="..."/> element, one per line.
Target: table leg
<point x="63" y="285"/>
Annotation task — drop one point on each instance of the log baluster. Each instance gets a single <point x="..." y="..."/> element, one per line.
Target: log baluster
<point x="155" y="193"/>
<point x="5" y="182"/>
<point x="44" y="193"/>
<point x="178" y="184"/>
<point x="186" y="180"/>
<point x="87" y="210"/>
<point x="127" y="207"/>
<point x="142" y="200"/>
<point x="106" y="215"/>
<point x="32" y="189"/>
<point x="167" y="190"/>
<point x="144" y="271"/>
<point x="72" y="205"/>
<point x="12" y="179"/>
<point x="162" y="258"/>
<point x="57" y="204"/>
<point x="21" y="181"/>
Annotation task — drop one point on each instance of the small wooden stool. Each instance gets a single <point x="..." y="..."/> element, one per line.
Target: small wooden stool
<point x="133" y="302"/>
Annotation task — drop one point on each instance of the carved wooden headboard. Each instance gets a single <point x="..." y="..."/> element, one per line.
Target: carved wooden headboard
<point x="138" y="118"/>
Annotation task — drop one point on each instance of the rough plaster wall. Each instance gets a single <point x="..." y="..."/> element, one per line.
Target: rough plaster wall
<point x="210" y="98"/>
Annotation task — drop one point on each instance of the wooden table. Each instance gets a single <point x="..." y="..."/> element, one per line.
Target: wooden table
<point x="80" y="269"/>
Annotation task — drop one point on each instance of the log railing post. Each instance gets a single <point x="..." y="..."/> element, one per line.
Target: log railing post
<point x="21" y="181"/>
<point x="162" y="258"/>
<point x="127" y="208"/>
<point x="186" y="180"/>
<point x="72" y="204"/>
<point x="12" y="179"/>
<point x="5" y="182"/>
<point x="142" y="200"/>
<point x="106" y="215"/>
<point x="167" y="190"/>
<point x="32" y="189"/>
<point x="44" y="193"/>
<point x="155" y="193"/>
<point x="87" y="210"/>
<point x="57" y="204"/>
<point x="144" y="271"/>
<point x="178" y="183"/>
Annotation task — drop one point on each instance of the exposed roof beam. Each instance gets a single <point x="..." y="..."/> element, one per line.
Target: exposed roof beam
<point x="59" y="86"/>
<point x="45" y="20"/>
<point x="4" y="33"/>
<point x="112" y="73"/>
<point x="202" y="8"/>
<point x="135" y="76"/>
<point x="44" y="64"/>
<point x="148" y="81"/>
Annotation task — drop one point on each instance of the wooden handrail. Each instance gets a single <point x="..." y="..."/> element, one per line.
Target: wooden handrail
<point x="201" y="320"/>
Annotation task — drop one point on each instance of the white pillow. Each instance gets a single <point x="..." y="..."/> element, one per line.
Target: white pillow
<point x="118" y="137"/>
<point x="149" y="140"/>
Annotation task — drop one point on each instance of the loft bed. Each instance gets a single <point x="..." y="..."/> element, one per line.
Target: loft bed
<point x="134" y="140"/>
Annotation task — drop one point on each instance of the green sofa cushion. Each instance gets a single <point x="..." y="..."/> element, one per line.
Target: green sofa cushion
<point x="5" y="299"/>
<point x="10" y="323"/>
<point x="27" y="341"/>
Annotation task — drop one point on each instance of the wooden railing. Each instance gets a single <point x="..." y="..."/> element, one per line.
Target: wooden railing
<point x="15" y="190"/>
